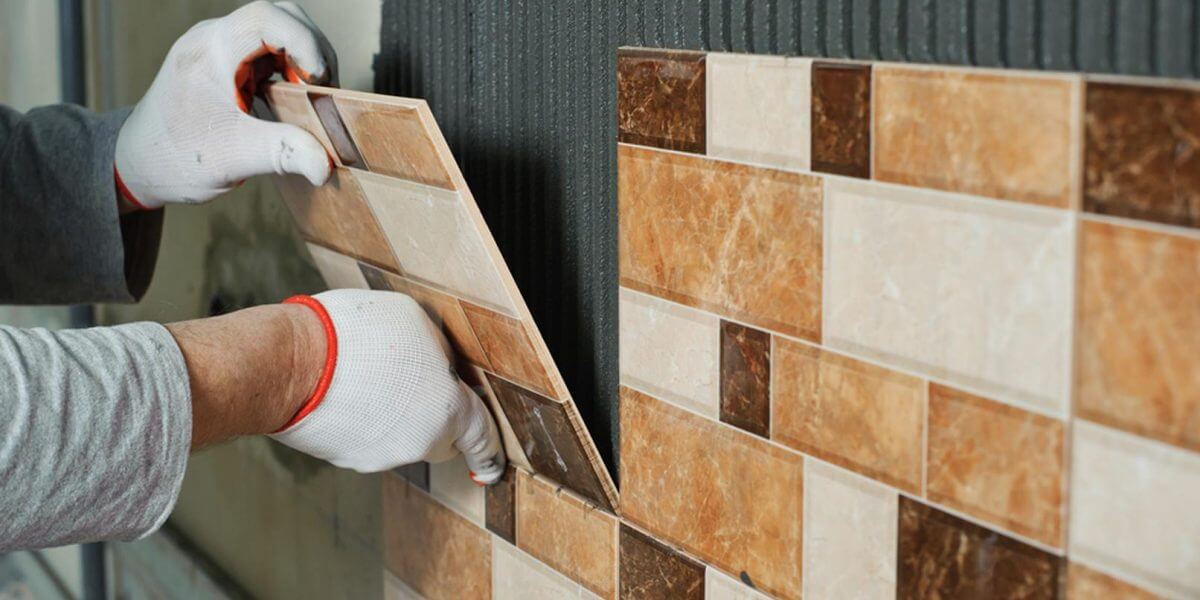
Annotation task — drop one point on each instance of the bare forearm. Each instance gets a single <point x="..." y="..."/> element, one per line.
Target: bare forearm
<point x="250" y="371"/>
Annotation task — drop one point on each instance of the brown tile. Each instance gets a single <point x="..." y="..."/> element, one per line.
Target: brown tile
<point x="995" y="135"/>
<point x="394" y="139"/>
<point x="841" y="119"/>
<point x="336" y="215"/>
<point x="649" y="569"/>
<point x="378" y="279"/>
<point x="500" y="507"/>
<point x="553" y="440"/>
<point x="572" y="536"/>
<point x="941" y="556"/>
<point x="509" y="350"/>
<point x="738" y="240"/>
<point x="1136" y="342"/>
<point x="416" y="473"/>
<point x="660" y="99"/>
<point x="860" y="416"/>
<point x="1142" y="153"/>
<point x="727" y="497"/>
<point x="996" y="462"/>
<point x="431" y="548"/>
<point x="1085" y="584"/>
<point x="291" y="105"/>
<point x="343" y="147"/>
<point x="746" y="378"/>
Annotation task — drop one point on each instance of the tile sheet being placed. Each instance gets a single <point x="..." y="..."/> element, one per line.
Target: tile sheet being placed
<point x="399" y="206"/>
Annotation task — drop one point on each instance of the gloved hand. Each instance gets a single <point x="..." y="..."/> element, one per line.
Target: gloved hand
<point x="389" y="395"/>
<point x="190" y="138"/>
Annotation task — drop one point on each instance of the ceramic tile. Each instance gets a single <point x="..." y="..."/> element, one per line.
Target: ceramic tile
<point x="518" y="576"/>
<point x="378" y="279"/>
<point x="670" y="351"/>
<point x="849" y="535"/>
<point x="500" y="506"/>
<point x="435" y="240"/>
<point x="974" y="292"/>
<point x="344" y="150"/>
<point x="572" y="536"/>
<point x="450" y="483"/>
<point x="650" y="569"/>
<point x="848" y="412"/>
<point x="660" y="99"/>
<point x="758" y="109"/>
<point x="746" y="378"/>
<point x="996" y="462"/>
<point x="1133" y="509"/>
<point x="942" y="556"/>
<point x="416" y="473"/>
<point x="291" y="105"/>
<point x="394" y="139"/>
<point x="431" y="548"/>
<point x="512" y="443"/>
<point x="338" y="270"/>
<point x="727" y="497"/>
<point x="841" y="118"/>
<point x="1138" y="313"/>
<point x="394" y="589"/>
<point x="510" y="351"/>
<point x="1087" y="584"/>
<point x="1006" y="136"/>
<point x="550" y="439"/>
<point x="337" y="216"/>
<point x="738" y="240"/>
<point x="719" y="586"/>
<point x="1142" y="153"/>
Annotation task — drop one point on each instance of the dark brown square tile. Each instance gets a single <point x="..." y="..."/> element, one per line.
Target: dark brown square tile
<point x="331" y="120"/>
<point x="661" y="99"/>
<point x="417" y="474"/>
<point x="549" y="439"/>
<point x="1142" y="156"/>
<point x="841" y="119"/>
<point x="649" y="569"/>
<point x="942" y="556"/>
<point x="746" y="378"/>
<point x="377" y="278"/>
<point x="500" y="507"/>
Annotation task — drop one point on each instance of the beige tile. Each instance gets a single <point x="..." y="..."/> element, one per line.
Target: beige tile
<point x="727" y="497"/>
<point x="758" y="109"/>
<point x="394" y="589"/>
<point x="568" y="534"/>
<point x="394" y="138"/>
<point x="518" y="576"/>
<point x="450" y="482"/>
<point x="435" y="240"/>
<point x="719" y="586"/>
<point x="1133" y="509"/>
<point x="671" y="351"/>
<point x="972" y="291"/>
<point x="338" y="270"/>
<point x="999" y="135"/>
<point x="291" y="105"/>
<point x="849" y="535"/>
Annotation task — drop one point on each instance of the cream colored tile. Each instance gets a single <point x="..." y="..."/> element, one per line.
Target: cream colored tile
<point x="670" y="351"/>
<point x="338" y="270"/>
<point x="394" y="589"/>
<point x="519" y="576"/>
<point x="435" y="240"/>
<point x="450" y="482"/>
<point x="849" y="535"/>
<point x="758" y="109"/>
<point x="719" y="586"/>
<point x="1134" y="509"/>
<point x="975" y="292"/>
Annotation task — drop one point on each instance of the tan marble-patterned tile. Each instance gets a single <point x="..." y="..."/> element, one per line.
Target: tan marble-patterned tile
<point x="660" y="98"/>
<point x="431" y="548"/>
<point x="860" y="416"/>
<point x="738" y="240"/>
<point x="336" y="215"/>
<point x="758" y="109"/>
<point x="997" y="462"/>
<point x="1138" y="314"/>
<point x="568" y="534"/>
<point x="1088" y="584"/>
<point x="292" y="106"/>
<point x="338" y="270"/>
<point x="1000" y="135"/>
<point x="510" y="351"/>
<point x="394" y="139"/>
<point x="725" y="496"/>
<point x="518" y="576"/>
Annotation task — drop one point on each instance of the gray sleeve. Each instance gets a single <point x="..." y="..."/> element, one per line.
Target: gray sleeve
<point x="95" y="429"/>
<point x="61" y="239"/>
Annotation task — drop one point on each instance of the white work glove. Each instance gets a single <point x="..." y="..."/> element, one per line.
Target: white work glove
<point x="394" y="397"/>
<point x="190" y="138"/>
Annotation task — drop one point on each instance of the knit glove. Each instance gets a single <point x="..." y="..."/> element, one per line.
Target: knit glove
<point x="389" y="395"/>
<point x="190" y="138"/>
